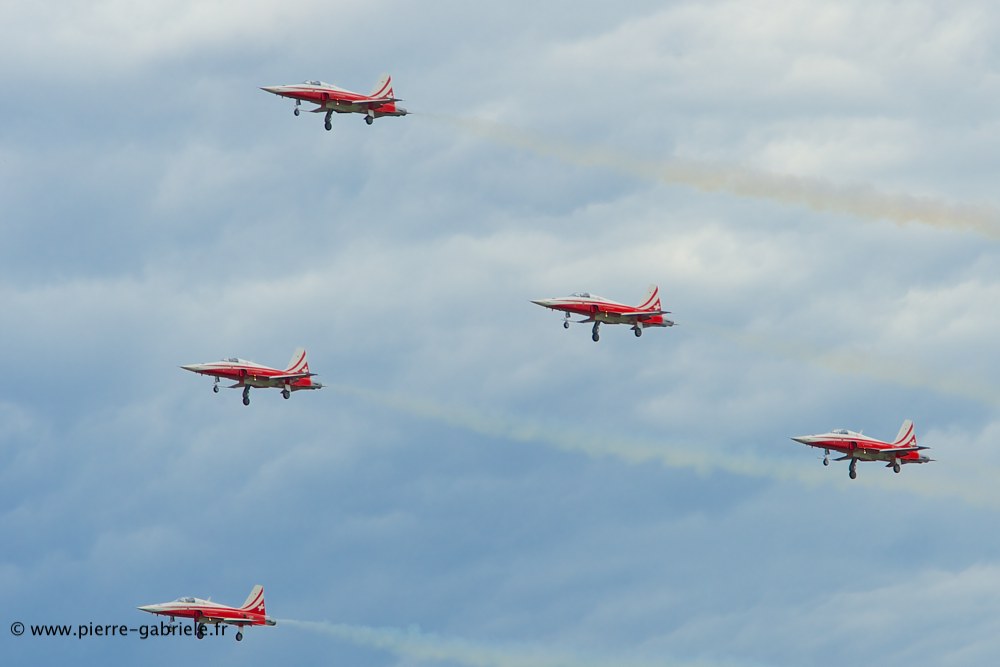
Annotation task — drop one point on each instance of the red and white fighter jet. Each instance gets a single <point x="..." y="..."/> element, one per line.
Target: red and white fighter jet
<point x="203" y="612"/>
<point x="858" y="447"/>
<point x="597" y="309"/>
<point x="330" y="98"/>
<point x="247" y="374"/>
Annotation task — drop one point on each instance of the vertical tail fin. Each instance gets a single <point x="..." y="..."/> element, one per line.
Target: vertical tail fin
<point x="384" y="87"/>
<point x="652" y="301"/>
<point x="255" y="601"/>
<point x="298" y="364"/>
<point x="906" y="436"/>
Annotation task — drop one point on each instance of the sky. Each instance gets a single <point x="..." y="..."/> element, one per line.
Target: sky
<point x="811" y="185"/>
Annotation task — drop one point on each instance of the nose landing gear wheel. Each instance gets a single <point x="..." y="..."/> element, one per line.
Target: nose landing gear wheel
<point x="853" y="470"/>
<point x="596" y="336"/>
<point x="239" y="636"/>
<point x="246" y="396"/>
<point x="215" y="389"/>
<point x="296" y="111"/>
<point x="566" y="324"/>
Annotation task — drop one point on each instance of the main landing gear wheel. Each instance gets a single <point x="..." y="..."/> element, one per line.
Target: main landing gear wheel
<point x="296" y="111"/>
<point x="239" y="636"/>
<point x="297" y="103"/>
<point x="895" y="467"/>
<point x="285" y="394"/>
<point x="637" y="331"/>
<point x="826" y="457"/>
<point x="566" y="324"/>
<point x="369" y="120"/>
<point x="853" y="470"/>
<point x="215" y="389"/>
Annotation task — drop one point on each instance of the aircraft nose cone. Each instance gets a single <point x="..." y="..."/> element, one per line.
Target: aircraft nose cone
<point x="277" y="90"/>
<point x="804" y="439"/>
<point x="541" y="302"/>
<point x="151" y="608"/>
<point x="194" y="368"/>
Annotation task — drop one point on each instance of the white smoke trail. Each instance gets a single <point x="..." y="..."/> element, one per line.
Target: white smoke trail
<point x="856" y="200"/>
<point x="412" y="643"/>
<point x="849" y="362"/>
<point x="698" y="457"/>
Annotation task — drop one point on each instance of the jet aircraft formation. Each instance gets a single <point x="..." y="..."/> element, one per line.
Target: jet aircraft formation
<point x="593" y="309"/>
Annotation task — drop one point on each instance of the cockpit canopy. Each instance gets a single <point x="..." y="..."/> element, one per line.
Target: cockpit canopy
<point x="840" y="431"/>
<point x="582" y="295"/>
<point x="315" y="82"/>
<point x="187" y="600"/>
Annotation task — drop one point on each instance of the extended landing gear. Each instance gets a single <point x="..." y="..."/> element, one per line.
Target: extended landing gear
<point x="637" y="330"/>
<point x="369" y="120"/>
<point x="895" y="466"/>
<point x="200" y="631"/>
<point x="286" y="394"/>
<point x="215" y="387"/>
<point x="239" y="636"/>
<point x="826" y="457"/>
<point x="566" y="321"/>
<point x="853" y="470"/>
<point x="246" y="395"/>
<point x="326" y="121"/>
<point x="297" y="103"/>
<point x="596" y="336"/>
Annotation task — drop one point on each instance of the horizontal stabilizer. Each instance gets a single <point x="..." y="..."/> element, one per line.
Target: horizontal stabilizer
<point x="378" y="102"/>
<point x="644" y="313"/>
<point x="292" y="376"/>
<point x="312" y="385"/>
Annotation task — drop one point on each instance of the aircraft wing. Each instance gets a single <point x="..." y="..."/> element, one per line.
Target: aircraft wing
<point x="237" y="621"/>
